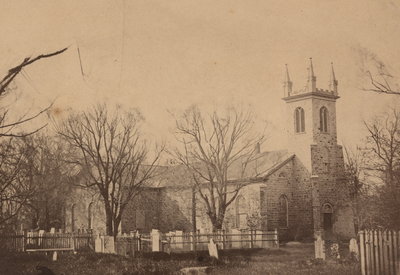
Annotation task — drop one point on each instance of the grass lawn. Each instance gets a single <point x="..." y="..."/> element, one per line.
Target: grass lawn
<point x="295" y="259"/>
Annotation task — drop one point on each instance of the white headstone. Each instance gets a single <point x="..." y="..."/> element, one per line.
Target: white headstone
<point x="353" y="247"/>
<point x="41" y="233"/>
<point x="212" y="249"/>
<point x="52" y="230"/>
<point x="155" y="240"/>
<point x="319" y="248"/>
<point x="54" y="256"/>
<point x="98" y="245"/>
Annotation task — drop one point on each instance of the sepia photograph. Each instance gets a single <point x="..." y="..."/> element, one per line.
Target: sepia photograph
<point x="200" y="137"/>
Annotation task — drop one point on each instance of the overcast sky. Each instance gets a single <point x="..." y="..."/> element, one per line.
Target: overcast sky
<point x="167" y="55"/>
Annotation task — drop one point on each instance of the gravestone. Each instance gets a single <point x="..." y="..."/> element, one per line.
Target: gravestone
<point x="109" y="244"/>
<point x="319" y="248"/>
<point x="353" y="248"/>
<point x="52" y="230"/>
<point x="212" y="249"/>
<point x="155" y="240"/>
<point x="334" y="250"/>
<point x="54" y="256"/>
<point x="41" y="233"/>
<point x="98" y="244"/>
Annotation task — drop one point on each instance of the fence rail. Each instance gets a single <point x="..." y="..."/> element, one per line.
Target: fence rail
<point x="179" y="241"/>
<point x="129" y="245"/>
<point x="44" y="241"/>
<point x="379" y="252"/>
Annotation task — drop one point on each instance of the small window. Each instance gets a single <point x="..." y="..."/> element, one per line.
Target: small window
<point x="283" y="212"/>
<point x="323" y="119"/>
<point x="299" y="120"/>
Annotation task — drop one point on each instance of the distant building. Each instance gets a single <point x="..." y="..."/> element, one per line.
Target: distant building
<point x="299" y="191"/>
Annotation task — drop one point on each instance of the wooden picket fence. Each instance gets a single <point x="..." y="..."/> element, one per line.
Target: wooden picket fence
<point x="177" y="241"/>
<point x="379" y="252"/>
<point x="46" y="241"/>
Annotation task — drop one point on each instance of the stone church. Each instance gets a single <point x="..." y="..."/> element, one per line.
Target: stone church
<point x="298" y="191"/>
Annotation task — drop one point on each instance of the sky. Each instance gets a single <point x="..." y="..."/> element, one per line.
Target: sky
<point x="163" y="56"/>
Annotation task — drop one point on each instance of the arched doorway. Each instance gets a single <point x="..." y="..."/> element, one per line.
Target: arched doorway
<point x="327" y="216"/>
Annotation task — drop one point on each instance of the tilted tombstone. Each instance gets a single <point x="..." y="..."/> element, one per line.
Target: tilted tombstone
<point x="212" y="249"/>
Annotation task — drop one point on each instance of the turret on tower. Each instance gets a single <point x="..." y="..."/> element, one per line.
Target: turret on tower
<point x="287" y="83"/>
<point x="333" y="83"/>
<point x="312" y="79"/>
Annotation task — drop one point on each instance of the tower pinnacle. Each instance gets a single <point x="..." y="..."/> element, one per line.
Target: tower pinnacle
<point x="312" y="79"/>
<point x="288" y="84"/>
<point x="333" y="83"/>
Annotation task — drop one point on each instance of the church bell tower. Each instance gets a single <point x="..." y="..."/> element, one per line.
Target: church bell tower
<point x="312" y="137"/>
<point x="311" y="116"/>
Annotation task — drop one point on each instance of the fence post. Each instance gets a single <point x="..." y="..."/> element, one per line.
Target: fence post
<point x="381" y="249"/>
<point x="390" y="243"/>
<point x="385" y="253"/>
<point x="72" y="241"/>
<point x="362" y="252"/>
<point x="396" y="245"/>
<point x="179" y="239"/>
<point x="376" y="252"/>
<point x="155" y="240"/>
<point x="223" y="238"/>
<point x="24" y="241"/>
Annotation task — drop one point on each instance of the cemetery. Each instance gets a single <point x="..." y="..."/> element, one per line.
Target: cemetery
<point x="171" y="137"/>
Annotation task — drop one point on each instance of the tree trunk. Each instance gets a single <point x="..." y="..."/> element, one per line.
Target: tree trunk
<point x="109" y="220"/>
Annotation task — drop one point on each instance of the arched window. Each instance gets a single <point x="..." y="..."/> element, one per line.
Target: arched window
<point x="90" y="215"/>
<point x="283" y="212"/>
<point x="241" y="214"/>
<point x="299" y="120"/>
<point x="323" y="119"/>
<point x="73" y="218"/>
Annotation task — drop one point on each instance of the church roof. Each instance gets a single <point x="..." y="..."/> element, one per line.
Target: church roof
<point x="261" y="166"/>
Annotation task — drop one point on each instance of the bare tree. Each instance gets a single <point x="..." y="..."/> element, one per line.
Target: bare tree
<point x="16" y="188"/>
<point x="7" y="127"/>
<point x="48" y="172"/>
<point x="213" y="148"/>
<point x="384" y="160"/>
<point x="355" y="185"/>
<point x="113" y="154"/>
<point x="377" y="74"/>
